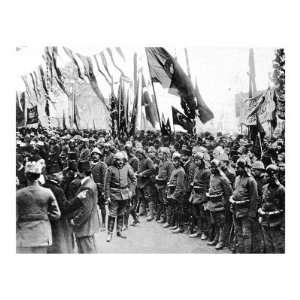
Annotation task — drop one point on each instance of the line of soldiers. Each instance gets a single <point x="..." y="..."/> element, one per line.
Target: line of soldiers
<point x="217" y="190"/>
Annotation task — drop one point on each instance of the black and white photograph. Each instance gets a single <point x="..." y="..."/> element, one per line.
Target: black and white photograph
<point x="150" y="149"/>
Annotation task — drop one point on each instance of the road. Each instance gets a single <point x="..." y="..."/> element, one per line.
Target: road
<point x="150" y="237"/>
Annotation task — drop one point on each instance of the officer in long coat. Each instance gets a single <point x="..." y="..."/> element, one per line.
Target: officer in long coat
<point x="35" y="206"/>
<point x="117" y="193"/>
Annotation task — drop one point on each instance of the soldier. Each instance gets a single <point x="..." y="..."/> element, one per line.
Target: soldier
<point x="35" y="205"/>
<point x="218" y="196"/>
<point x="134" y="163"/>
<point x="108" y="154"/>
<point x="98" y="171"/>
<point x="272" y="212"/>
<point x="200" y="187"/>
<point x="244" y="206"/>
<point x="145" y="187"/>
<point x="85" y="219"/>
<point x="117" y="193"/>
<point x="165" y="169"/>
<point x="175" y="196"/>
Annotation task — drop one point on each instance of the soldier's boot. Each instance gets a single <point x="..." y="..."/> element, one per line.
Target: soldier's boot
<point x="142" y="210"/>
<point x="214" y="242"/>
<point x="120" y="220"/>
<point x="103" y="217"/>
<point x="151" y="211"/>
<point x="125" y="223"/>
<point x="110" y="228"/>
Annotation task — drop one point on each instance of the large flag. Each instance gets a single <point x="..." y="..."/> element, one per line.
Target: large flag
<point x="182" y="120"/>
<point x="167" y="71"/>
<point x="204" y="113"/>
<point x="100" y="70"/>
<point x="20" y="109"/>
<point x="58" y="74"/>
<point x="165" y="126"/>
<point x="122" y="121"/>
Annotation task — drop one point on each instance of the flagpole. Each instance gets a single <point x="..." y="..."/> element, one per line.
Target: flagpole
<point x="261" y="151"/>
<point x="155" y="98"/>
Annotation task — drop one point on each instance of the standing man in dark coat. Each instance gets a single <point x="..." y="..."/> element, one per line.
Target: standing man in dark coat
<point x="85" y="219"/>
<point x="62" y="233"/>
<point x="99" y="169"/>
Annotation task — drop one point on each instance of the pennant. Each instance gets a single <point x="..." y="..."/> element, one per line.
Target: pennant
<point x="113" y="61"/>
<point x="166" y="70"/>
<point x="119" y="50"/>
<point x="104" y="62"/>
<point x="72" y="56"/>
<point x="204" y="113"/>
<point x="101" y="72"/>
<point x="182" y="120"/>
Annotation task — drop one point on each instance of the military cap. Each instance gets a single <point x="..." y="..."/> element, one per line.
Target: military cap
<point x="84" y="166"/>
<point x="33" y="167"/>
<point x="96" y="150"/>
<point x="258" y="165"/>
<point x="176" y="155"/>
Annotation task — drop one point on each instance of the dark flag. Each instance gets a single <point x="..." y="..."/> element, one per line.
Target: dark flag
<point x="76" y="116"/>
<point x="168" y="127"/>
<point x="165" y="126"/>
<point x="64" y="126"/>
<point x="257" y="134"/>
<point x="113" y="113"/>
<point x="32" y="115"/>
<point x="121" y="110"/>
<point x="166" y="70"/>
<point x="182" y="120"/>
<point x="204" y="113"/>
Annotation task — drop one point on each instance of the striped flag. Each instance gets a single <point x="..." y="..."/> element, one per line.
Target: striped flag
<point x="73" y="58"/>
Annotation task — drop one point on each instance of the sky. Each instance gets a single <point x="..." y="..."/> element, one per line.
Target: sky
<point x="220" y="73"/>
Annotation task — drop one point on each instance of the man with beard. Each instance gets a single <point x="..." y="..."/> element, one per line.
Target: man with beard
<point x="244" y="206"/>
<point x="145" y="186"/>
<point x="175" y="196"/>
<point x="218" y="196"/>
<point x="165" y="169"/>
<point x="272" y="212"/>
<point x="117" y="193"/>
<point x="98" y="171"/>
<point x="200" y="187"/>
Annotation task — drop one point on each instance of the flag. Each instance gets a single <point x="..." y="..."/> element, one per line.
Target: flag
<point x="76" y="116"/>
<point x="165" y="128"/>
<point x="104" y="62"/>
<point x="29" y="91"/>
<point x="119" y="50"/>
<point x="113" y="61"/>
<point x="100" y="71"/>
<point x="58" y="74"/>
<point x="167" y="71"/>
<point x="204" y="113"/>
<point x="34" y="87"/>
<point x="73" y="58"/>
<point x="149" y="105"/>
<point x="257" y="134"/>
<point x="64" y="126"/>
<point x="20" y="109"/>
<point x="114" y="113"/>
<point x="32" y="115"/>
<point x="182" y="120"/>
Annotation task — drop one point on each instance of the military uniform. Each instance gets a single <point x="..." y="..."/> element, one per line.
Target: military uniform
<point x="244" y="210"/>
<point x="165" y="169"/>
<point x="117" y="193"/>
<point x="175" y="197"/>
<point x="272" y="217"/>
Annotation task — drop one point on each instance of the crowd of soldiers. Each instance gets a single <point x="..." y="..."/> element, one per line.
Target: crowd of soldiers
<point x="218" y="189"/>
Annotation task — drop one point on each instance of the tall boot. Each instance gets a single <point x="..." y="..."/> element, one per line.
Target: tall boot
<point x="126" y="217"/>
<point x="103" y="217"/>
<point x="110" y="227"/>
<point x="151" y="211"/>
<point x="120" y="220"/>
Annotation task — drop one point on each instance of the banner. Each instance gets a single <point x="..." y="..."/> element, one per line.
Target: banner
<point x="32" y="115"/>
<point x="263" y="105"/>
